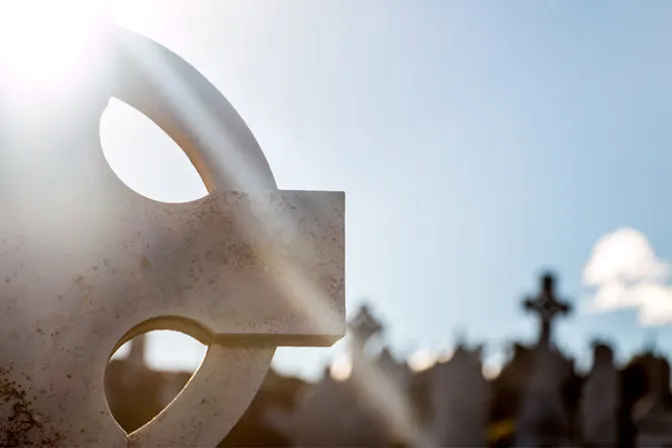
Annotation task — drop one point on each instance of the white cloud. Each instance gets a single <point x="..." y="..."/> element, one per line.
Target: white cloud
<point x="626" y="273"/>
<point x="624" y="255"/>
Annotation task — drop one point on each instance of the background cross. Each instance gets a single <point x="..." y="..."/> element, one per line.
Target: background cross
<point x="364" y="326"/>
<point x="547" y="306"/>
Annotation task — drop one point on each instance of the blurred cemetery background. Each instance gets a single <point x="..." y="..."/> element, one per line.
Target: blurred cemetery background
<point x="369" y="398"/>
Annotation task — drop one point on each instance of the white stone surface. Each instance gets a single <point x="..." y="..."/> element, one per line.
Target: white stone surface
<point x="86" y="263"/>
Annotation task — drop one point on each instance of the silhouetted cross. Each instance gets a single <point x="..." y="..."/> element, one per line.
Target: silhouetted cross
<point x="547" y="306"/>
<point x="364" y="326"/>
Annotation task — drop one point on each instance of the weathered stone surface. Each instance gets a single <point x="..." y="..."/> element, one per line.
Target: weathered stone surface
<point x="86" y="263"/>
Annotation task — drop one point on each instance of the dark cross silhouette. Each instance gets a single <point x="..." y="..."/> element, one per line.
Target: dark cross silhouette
<point x="364" y="325"/>
<point x="547" y="306"/>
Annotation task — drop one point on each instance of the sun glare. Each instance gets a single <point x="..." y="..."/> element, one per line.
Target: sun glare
<point x="47" y="40"/>
<point x="341" y="368"/>
<point x="421" y="360"/>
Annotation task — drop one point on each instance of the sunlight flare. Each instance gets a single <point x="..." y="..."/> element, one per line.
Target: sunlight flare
<point x="44" y="40"/>
<point x="422" y="360"/>
<point x="341" y="367"/>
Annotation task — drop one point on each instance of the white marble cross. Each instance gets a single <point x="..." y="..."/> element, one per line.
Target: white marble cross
<point x="86" y="263"/>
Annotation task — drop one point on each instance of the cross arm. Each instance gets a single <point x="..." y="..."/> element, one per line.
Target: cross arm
<point x="529" y="304"/>
<point x="260" y="266"/>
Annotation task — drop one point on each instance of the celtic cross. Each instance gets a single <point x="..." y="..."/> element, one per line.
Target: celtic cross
<point x="547" y="307"/>
<point x="86" y="264"/>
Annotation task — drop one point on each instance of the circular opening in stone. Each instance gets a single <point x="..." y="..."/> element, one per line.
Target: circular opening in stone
<point x="145" y="158"/>
<point x="146" y="373"/>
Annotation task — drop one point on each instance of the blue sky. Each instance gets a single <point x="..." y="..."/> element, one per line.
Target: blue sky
<point x="478" y="142"/>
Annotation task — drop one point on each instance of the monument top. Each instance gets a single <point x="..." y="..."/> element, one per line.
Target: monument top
<point x="87" y="264"/>
<point x="547" y="306"/>
<point x="364" y="326"/>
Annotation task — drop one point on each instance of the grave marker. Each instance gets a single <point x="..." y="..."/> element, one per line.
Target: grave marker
<point x="547" y="307"/>
<point x="87" y="264"/>
<point x="542" y="420"/>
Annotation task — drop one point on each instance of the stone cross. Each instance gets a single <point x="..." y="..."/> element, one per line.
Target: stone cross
<point x="542" y="420"/>
<point x="363" y="327"/>
<point x="86" y="264"/>
<point x="547" y="306"/>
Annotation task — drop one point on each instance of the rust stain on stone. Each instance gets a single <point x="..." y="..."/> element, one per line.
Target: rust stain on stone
<point x="21" y="425"/>
<point x="145" y="263"/>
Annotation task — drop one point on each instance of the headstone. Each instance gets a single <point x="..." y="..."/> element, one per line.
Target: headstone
<point x="87" y="264"/>
<point x="322" y="418"/>
<point x="459" y="395"/>
<point x="135" y="363"/>
<point x="386" y="412"/>
<point x="330" y="413"/>
<point x="600" y="400"/>
<point x="133" y="390"/>
<point x="633" y="388"/>
<point x="277" y="392"/>
<point x="653" y="413"/>
<point x="506" y="393"/>
<point x="542" y="420"/>
<point x="368" y="409"/>
<point x="397" y="372"/>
